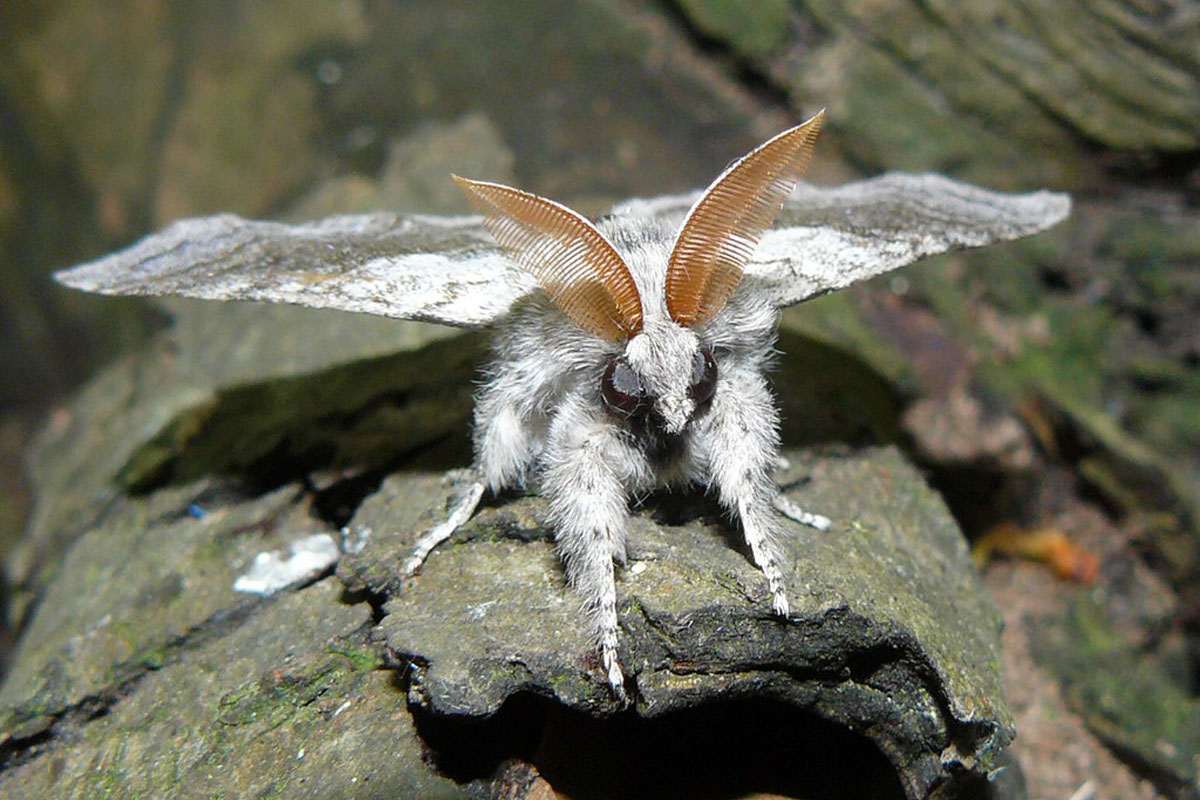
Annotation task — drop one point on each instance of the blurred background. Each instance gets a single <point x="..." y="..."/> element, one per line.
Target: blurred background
<point x="1050" y="388"/>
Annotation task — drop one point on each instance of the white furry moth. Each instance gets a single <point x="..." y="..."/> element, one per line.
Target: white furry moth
<point x="627" y="356"/>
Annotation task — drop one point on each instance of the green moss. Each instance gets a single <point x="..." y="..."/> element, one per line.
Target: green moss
<point x="754" y="28"/>
<point x="1131" y="701"/>
<point x="152" y="657"/>
<point x="362" y="659"/>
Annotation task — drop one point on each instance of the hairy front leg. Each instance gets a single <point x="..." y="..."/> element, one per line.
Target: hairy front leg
<point x="739" y="440"/>
<point x="506" y="441"/>
<point x="586" y="462"/>
<point x="466" y="501"/>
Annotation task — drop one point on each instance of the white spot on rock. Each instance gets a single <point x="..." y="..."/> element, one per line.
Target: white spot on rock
<point x="271" y="571"/>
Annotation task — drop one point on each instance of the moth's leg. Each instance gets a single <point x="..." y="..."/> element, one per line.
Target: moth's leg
<point x="793" y="511"/>
<point x="739" y="440"/>
<point x="466" y="503"/>
<point x="506" y="444"/>
<point x="507" y="437"/>
<point x="586" y="462"/>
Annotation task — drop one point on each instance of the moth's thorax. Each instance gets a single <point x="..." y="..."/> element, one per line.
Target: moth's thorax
<point x="663" y="355"/>
<point x="645" y="245"/>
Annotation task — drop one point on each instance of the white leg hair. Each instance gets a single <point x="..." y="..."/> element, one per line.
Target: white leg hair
<point x="505" y="447"/>
<point x="793" y="511"/>
<point x="586" y="460"/>
<point x="506" y="443"/>
<point x="467" y="502"/>
<point x="739" y="440"/>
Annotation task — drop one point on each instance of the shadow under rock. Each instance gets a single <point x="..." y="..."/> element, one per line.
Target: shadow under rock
<point x="721" y="750"/>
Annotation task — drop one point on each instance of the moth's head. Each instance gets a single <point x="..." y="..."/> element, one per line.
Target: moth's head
<point x="665" y="376"/>
<point x="663" y="371"/>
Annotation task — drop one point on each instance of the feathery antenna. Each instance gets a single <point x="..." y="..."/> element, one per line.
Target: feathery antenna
<point x="722" y="229"/>
<point x="572" y="261"/>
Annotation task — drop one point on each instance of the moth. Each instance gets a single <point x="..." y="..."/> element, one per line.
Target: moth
<point x="630" y="353"/>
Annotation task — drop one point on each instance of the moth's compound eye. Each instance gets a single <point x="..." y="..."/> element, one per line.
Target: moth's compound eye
<point x="704" y="378"/>
<point x="622" y="389"/>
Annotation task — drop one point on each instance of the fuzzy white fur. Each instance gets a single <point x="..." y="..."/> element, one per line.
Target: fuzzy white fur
<point x="540" y="417"/>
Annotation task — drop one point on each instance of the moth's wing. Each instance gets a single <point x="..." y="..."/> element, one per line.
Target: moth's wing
<point x="828" y="238"/>
<point x="435" y="269"/>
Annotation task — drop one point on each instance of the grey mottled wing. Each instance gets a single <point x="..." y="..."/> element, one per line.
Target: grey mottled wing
<point x="436" y="269"/>
<point x="827" y="239"/>
<point x="448" y="269"/>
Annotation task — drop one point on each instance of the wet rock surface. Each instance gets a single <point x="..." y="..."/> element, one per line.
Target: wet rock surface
<point x="288" y="702"/>
<point x="890" y="638"/>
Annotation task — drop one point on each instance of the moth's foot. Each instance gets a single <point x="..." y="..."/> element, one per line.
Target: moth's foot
<point x="782" y="464"/>
<point x="411" y="565"/>
<point x="794" y="512"/>
<point x="612" y="668"/>
<point x="779" y="603"/>
<point x="619" y="552"/>
<point x="462" y="510"/>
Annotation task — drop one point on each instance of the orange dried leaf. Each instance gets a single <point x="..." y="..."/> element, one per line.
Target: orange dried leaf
<point x="1047" y="544"/>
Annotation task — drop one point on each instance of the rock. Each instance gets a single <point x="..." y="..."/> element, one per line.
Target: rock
<point x="889" y="634"/>
<point x="415" y="176"/>
<point x="755" y="29"/>
<point x="982" y="88"/>
<point x="1135" y="705"/>
<point x="224" y="389"/>
<point x="288" y="703"/>
<point x="890" y="639"/>
<point x="139" y="640"/>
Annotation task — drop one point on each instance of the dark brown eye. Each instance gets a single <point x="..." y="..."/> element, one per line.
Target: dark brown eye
<point x="704" y="378"/>
<point x="622" y="389"/>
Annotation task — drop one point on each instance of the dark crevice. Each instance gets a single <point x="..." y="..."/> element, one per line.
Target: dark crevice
<point x="337" y="503"/>
<point x="374" y="599"/>
<point x="889" y="665"/>
<point x="745" y="71"/>
<point x="720" y="750"/>
<point x="1153" y="170"/>
<point x="1055" y="280"/>
<point x="232" y="437"/>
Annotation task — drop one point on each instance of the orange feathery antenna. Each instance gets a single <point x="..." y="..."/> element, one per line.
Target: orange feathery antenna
<point x="721" y="231"/>
<point x="572" y="261"/>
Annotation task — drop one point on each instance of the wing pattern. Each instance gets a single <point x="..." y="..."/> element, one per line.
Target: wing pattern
<point x="449" y="270"/>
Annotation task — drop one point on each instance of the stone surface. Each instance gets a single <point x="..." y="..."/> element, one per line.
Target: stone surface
<point x="223" y="389"/>
<point x="289" y="704"/>
<point x="892" y="644"/>
<point x="1136" y="705"/>
<point x="1085" y="336"/>
<point x="989" y="90"/>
